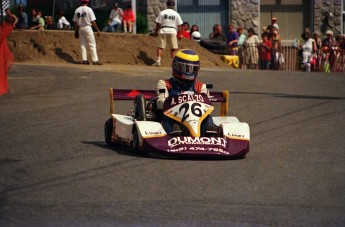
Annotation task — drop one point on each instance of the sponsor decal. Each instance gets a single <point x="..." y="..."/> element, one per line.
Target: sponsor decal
<point x="150" y="133"/>
<point x="197" y="149"/>
<point x="218" y="141"/>
<point x="186" y="98"/>
<point x="236" y="135"/>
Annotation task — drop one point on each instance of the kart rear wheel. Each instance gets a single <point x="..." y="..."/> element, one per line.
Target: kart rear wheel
<point x="140" y="107"/>
<point x="135" y="142"/>
<point x="108" y="130"/>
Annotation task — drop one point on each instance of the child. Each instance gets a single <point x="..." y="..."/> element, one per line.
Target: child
<point x="265" y="52"/>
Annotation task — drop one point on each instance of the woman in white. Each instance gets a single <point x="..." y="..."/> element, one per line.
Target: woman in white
<point x="63" y="24"/>
<point x="308" y="48"/>
<point x="251" y="49"/>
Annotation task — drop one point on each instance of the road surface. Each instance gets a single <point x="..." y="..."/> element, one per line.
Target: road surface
<point x="56" y="170"/>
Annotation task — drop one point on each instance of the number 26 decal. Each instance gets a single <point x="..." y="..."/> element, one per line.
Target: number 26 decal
<point x="195" y="109"/>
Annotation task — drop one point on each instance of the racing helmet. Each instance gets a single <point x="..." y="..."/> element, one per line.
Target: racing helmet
<point x="196" y="36"/>
<point x="185" y="65"/>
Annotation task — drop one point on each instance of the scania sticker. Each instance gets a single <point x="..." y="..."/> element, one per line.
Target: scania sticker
<point x="197" y="141"/>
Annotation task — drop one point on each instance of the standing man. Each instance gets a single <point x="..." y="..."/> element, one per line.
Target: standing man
<point x="84" y="19"/>
<point x="11" y="18"/>
<point x="274" y="23"/>
<point x="23" y="21"/>
<point x="232" y="40"/>
<point x="168" y="24"/>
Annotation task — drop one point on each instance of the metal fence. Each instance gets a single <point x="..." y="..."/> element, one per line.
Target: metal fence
<point x="288" y="58"/>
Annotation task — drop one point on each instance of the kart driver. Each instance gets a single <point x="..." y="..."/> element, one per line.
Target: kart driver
<point x="185" y="68"/>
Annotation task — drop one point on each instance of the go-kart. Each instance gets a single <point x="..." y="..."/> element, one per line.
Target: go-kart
<point x="142" y="131"/>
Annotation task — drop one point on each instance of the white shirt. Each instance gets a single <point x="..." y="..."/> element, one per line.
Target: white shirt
<point x="276" y="26"/>
<point x="169" y="20"/>
<point x="307" y="46"/>
<point x="83" y="16"/>
<point x="116" y="15"/>
<point x="63" y="21"/>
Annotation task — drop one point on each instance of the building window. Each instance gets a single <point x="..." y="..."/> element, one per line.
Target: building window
<point x="185" y="3"/>
<point x="209" y="2"/>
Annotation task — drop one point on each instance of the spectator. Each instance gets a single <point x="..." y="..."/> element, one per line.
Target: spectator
<point x="23" y="22"/>
<point x="128" y="19"/>
<point x="308" y="47"/>
<point x="342" y="44"/>
<point x="318" y="42"/>
<point x="276" y="47"/>
<point x="193" y="29"/>
<point x="185" y="30"/>
<point x="231" y="40"/>
<point x="36" y="22"/>
<point x="328" y="42"/>
<point x="11" y="18"/>
<point x="49" y="23"/>
<point x="217" y="33"/>
<point x="328" y="45"/>
<point x="251" y="49"/>
<point x="41" y="20"/>
<point x="115" y="19"/>
<point x="318" y="51"/>
<point x="240" y="42"/>
<point x="168" y="24"/>
<point x="63" y="24"/>
<point x="274" y="23"/>
<point x="84" y="18"/>
<point x="265" y="51"/>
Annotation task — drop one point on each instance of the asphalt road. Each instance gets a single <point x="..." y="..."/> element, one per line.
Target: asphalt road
<point x="56" y="170"/>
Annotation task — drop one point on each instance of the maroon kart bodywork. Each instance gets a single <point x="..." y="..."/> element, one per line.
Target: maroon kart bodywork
<point x="198" y="146"/>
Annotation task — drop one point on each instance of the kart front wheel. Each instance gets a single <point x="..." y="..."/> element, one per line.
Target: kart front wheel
<point x="108" y="130"/>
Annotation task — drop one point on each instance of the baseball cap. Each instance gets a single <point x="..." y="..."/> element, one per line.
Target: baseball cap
<point x="84" y="1"/>
<point x="115" y="5"/>
<point x="171" y="3"/>
<point x="274" y="18"/>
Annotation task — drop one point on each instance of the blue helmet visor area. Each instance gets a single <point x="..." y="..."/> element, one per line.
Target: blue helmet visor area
<point x="186" y="67"/>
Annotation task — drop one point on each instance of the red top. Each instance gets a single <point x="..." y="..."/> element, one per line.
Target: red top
<point x="185" y="34"/>
<point x="128" y="15"/>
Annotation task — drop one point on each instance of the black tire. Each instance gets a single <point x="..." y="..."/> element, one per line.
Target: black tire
<point x="140" y="107"/>
<point x="135" y="142"/>
<point x="213" y="44"/>
<point x="220" y="52"/>
<point x="108" y="130"/>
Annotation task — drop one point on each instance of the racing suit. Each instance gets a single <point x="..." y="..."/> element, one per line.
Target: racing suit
<point x="173" y="87"/>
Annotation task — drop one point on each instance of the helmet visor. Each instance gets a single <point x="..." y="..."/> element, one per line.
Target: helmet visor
<point x="186" y="67"/>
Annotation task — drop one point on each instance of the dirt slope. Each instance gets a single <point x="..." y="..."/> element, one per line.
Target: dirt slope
<point x="113" y="48"/>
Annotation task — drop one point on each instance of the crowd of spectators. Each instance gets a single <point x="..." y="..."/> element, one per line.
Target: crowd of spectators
<point x="314" y="53"/>
<point x="119" y="20"/>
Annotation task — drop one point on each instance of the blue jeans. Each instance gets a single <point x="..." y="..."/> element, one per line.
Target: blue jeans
<point x="110" y="27"/>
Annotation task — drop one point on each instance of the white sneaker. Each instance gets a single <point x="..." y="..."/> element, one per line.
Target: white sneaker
<point x="156" y="64"/>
